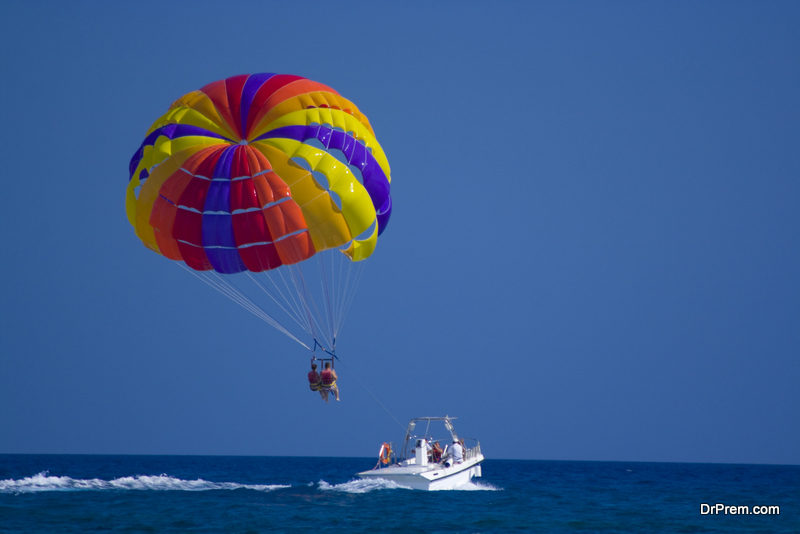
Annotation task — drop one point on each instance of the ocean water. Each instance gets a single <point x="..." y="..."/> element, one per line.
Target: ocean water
<point x="76" y="493"/>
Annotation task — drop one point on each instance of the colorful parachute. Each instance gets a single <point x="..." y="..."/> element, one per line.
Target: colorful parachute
<point x="256" y="172"/>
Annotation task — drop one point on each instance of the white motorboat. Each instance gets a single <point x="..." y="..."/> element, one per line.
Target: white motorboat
<point x="427" y="465"/>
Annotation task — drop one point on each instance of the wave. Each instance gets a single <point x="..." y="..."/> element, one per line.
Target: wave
<point x="44" y="482"/>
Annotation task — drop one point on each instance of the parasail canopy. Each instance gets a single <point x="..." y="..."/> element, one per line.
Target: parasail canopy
<point x="257" y="172"/>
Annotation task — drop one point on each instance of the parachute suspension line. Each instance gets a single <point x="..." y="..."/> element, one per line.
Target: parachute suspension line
<point x="288" y="282"/>
<point x="346" y="271"/>
<point x="293" y="299"/>
<point x="221" y="284"/>
<point x="282" y="301"/>
<point x="351" y="278"/>
<point x="327" y="281"/>
<point x="218" y="283"/>
<point x="338" y="277"/>
<point x="318" y="309"/>
<point x="309" y="305"/>
<point x="281" y="288"/>
<point x="227" y="290"/>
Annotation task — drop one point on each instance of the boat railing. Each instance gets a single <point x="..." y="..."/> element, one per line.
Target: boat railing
<point x="473" y="452"/>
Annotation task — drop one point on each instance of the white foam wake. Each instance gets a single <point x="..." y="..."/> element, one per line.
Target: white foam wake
<point x="44" y="482"/>
<point x="361" y="485"/>
<point x="372" y="484"/>
<point x="474" y="485"/>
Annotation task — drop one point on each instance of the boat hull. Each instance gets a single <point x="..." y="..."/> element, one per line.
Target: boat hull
<point x="430" y="478"/>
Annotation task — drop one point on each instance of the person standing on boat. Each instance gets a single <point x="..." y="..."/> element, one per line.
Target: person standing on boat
<point x="315" y="381"/>
<point x="328" y="378"/>
<point x="457" y="451"/>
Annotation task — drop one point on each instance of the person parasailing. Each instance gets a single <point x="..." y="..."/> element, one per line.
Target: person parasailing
<point x="315" y="380"/>
<point x="328" y="377"/>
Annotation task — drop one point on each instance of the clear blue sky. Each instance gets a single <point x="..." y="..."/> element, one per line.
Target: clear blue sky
<point x="593" y="254"/>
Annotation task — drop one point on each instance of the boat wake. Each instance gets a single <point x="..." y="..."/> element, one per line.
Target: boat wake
<point x="373" y="484"/>
<point x="360" y="485"/>
<point x="475" y="486"/>
<point x="44" y="482"/>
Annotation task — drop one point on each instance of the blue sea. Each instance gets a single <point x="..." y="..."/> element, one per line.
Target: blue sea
<point x="77" y="493"/>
